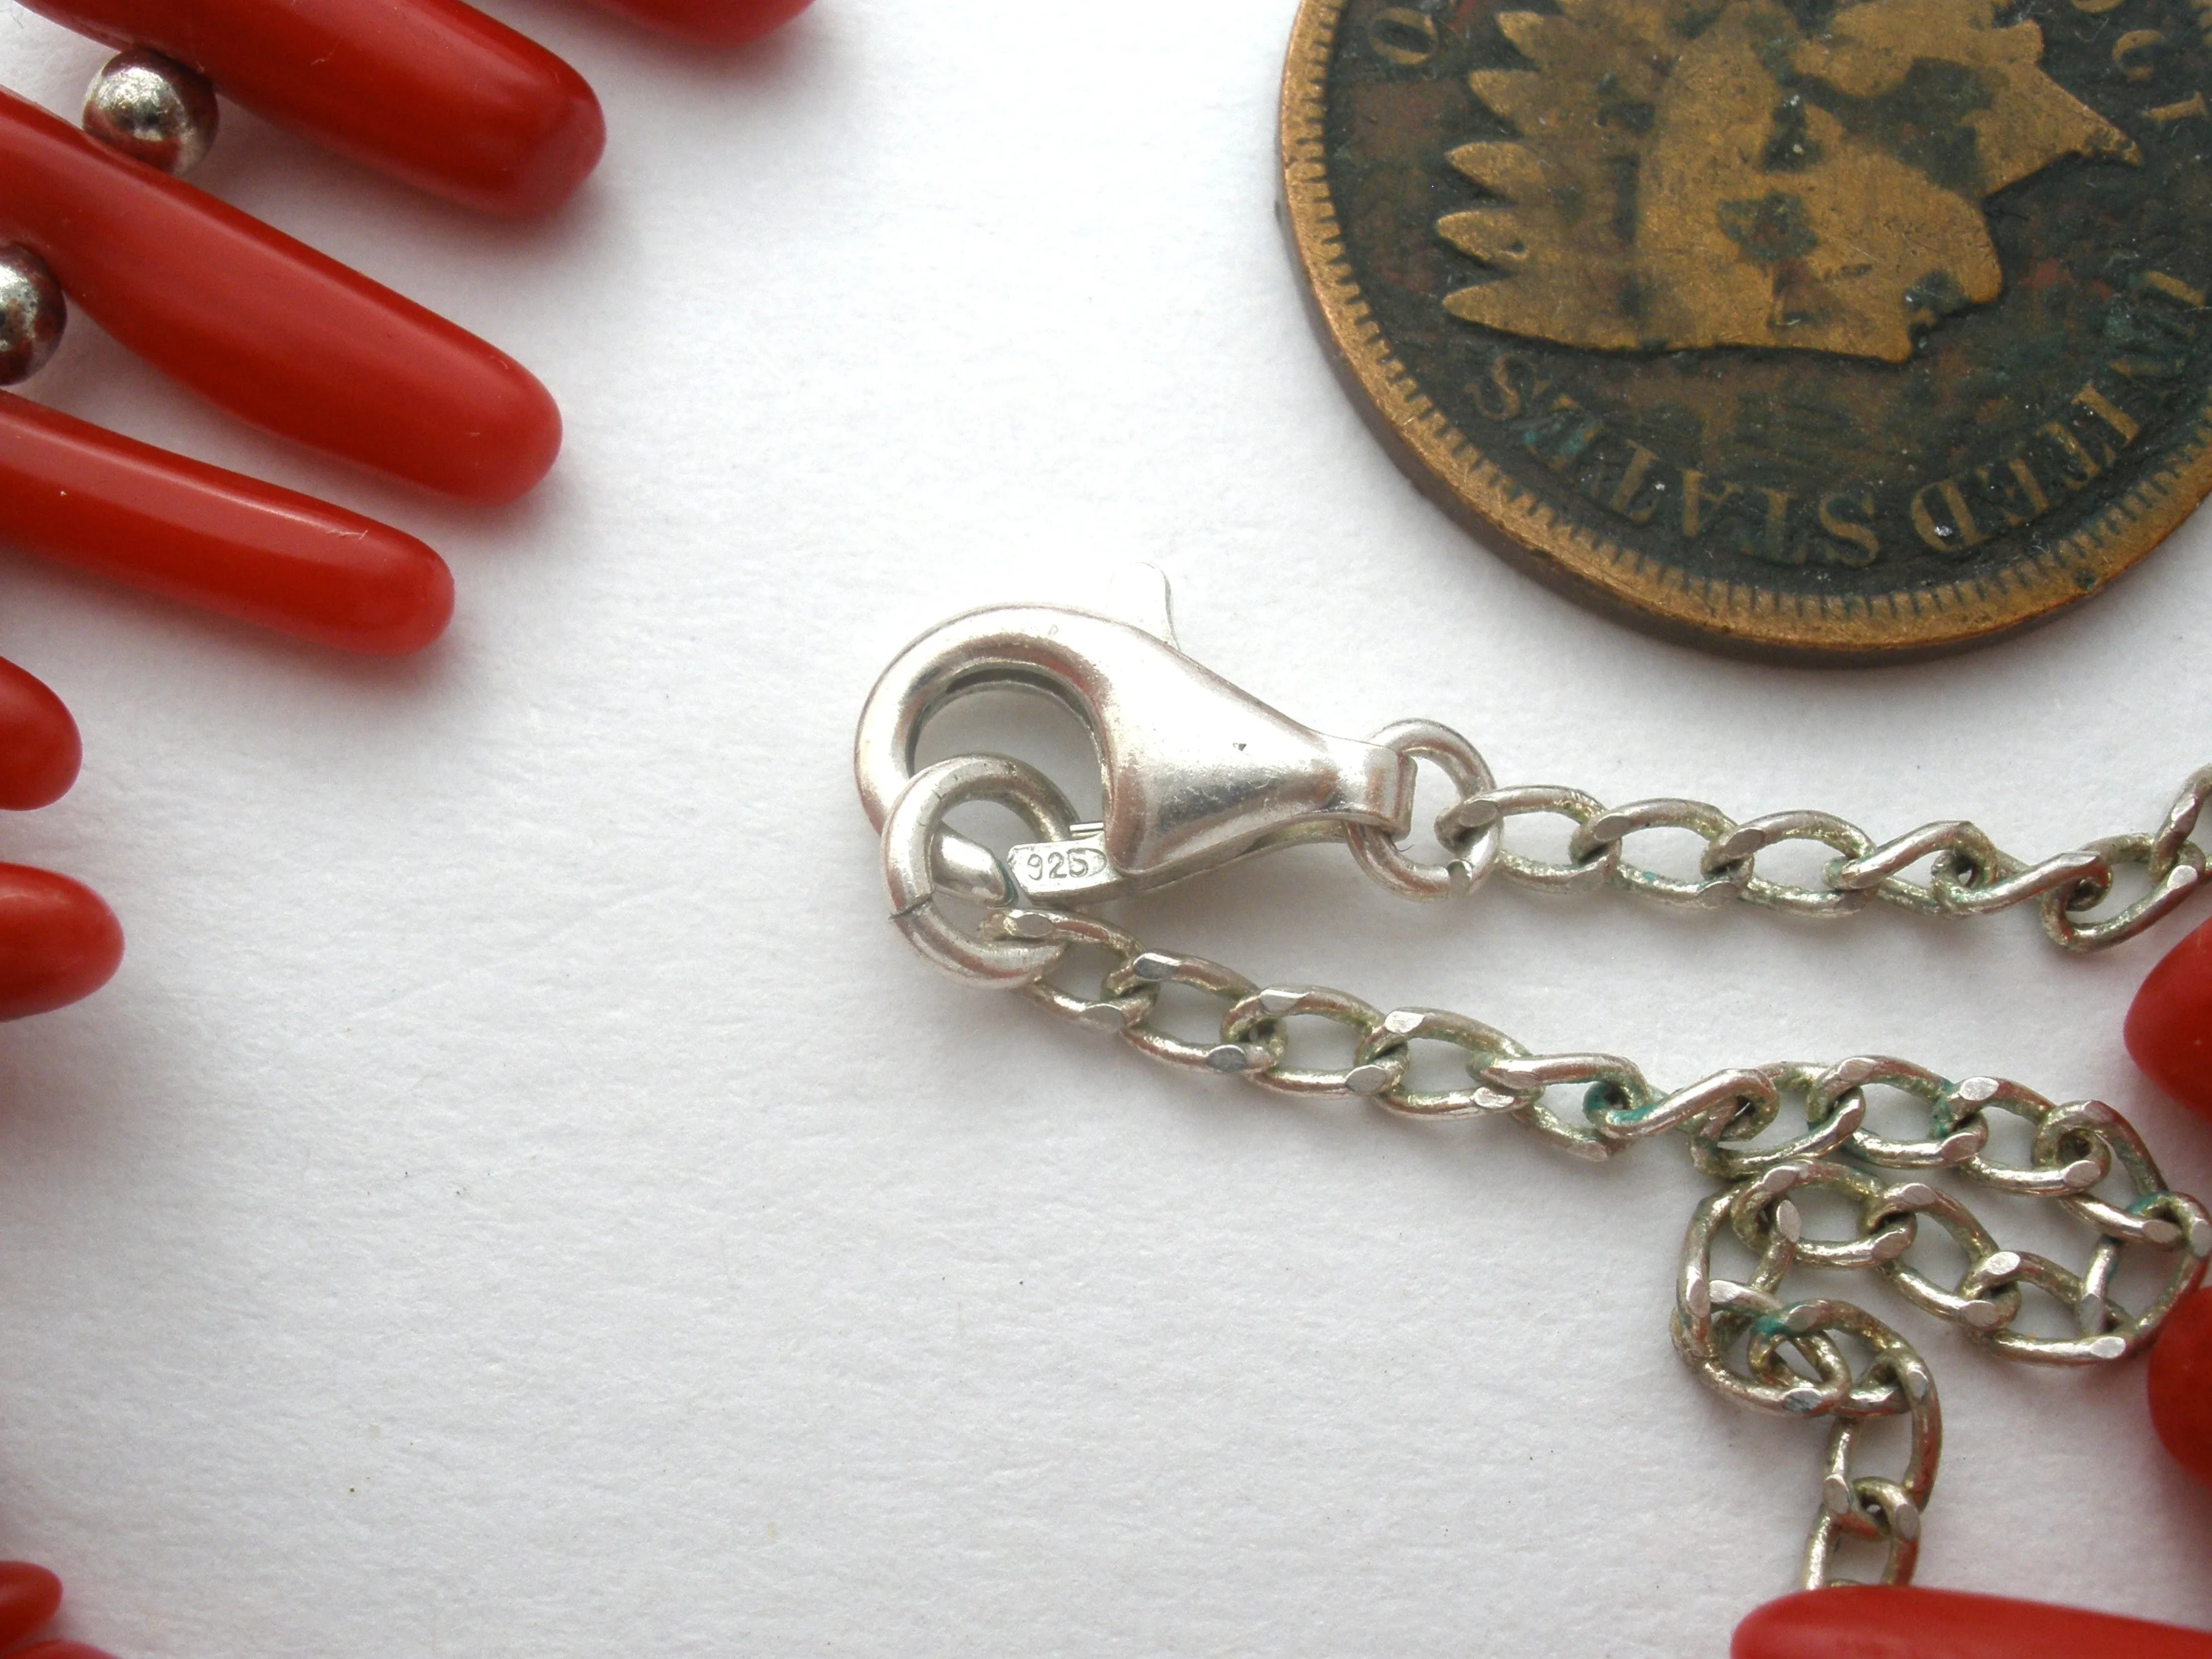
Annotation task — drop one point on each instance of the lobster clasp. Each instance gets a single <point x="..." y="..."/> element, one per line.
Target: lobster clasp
<point x="1196" y="772"/>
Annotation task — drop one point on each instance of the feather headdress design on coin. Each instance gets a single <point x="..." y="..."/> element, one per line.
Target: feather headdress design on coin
<point x="1686" y="175"/>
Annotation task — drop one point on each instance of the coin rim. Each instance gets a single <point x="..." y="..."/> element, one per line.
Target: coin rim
<point x="1742" y="617"/>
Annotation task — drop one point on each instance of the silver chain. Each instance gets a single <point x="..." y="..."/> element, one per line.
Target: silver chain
<point x="1197" y="773"/>
<point x="1969" y="875"/>
<point x="1793" y="1357"/>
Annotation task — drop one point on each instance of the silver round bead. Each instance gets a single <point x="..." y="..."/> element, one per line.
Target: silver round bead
<point x="33" y="315"/>
<point x="152" y="109"/>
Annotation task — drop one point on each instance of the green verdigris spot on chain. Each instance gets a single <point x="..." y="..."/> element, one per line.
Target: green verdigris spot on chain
<point x="1831" y="328"/>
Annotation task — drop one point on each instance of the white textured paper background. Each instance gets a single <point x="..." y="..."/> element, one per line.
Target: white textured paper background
<point x="519" y="1197"/>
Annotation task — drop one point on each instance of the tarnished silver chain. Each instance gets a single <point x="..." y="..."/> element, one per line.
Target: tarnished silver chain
<point x="1968" y="874"/>
<point x="1738" y="1334"/>
<point x="1197" y="773"/>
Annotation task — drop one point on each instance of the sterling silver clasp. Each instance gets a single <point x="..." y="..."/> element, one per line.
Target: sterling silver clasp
<point x="1196" y="772"/>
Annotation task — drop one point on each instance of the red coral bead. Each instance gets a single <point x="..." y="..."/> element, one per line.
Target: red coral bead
<point x="433" y="91"/>
<point x="267" y="327"/>
<point x="1884" y="1621"/>
<point x="58" y="942"/>
<point x="91" y="498"/>
<point x="28" y="1596"/>
<point x="710" y="23"/>
<point x="40" y="749"/>
<point x="2181" y="1385"/>
<point x="2169" y="1029"/>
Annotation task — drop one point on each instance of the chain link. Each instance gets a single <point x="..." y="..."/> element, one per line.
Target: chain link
<point x="1196" y="773"/>
<point x="1968" y="875"/>
<point x="1740" y="1335"/>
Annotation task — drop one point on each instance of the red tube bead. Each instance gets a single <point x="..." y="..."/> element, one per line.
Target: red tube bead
<point x="2181" y="1385"/>
<point x="267" y="327"/>
<point x="1890" y="1621"/>
<point x="705" y="22"/>
<point x="2169" y="1029"/>
<point x="432" y="91"/>
<point x="58" y="942"/>
<point x="40" y="752"/>
<point x="232" y="545"/>
<point x="29" y="1597"/>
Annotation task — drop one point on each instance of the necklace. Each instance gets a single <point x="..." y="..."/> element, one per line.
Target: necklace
<point x="1198" y="774"/>
<point x="1464" y="874"/>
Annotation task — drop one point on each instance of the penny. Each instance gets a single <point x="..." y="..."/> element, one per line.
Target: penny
<point x="1824" y="329"/>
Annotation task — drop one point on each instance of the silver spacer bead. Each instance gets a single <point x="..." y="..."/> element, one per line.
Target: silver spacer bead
<point x="152" y="109"/>
<point x="33" y="315"/>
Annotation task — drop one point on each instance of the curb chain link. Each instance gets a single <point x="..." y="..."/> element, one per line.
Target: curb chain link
<point x="1794" y="1358"/>
<point x="1968" y="874"/>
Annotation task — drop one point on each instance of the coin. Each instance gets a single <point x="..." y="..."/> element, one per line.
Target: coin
<point x="1826" y="329"/>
